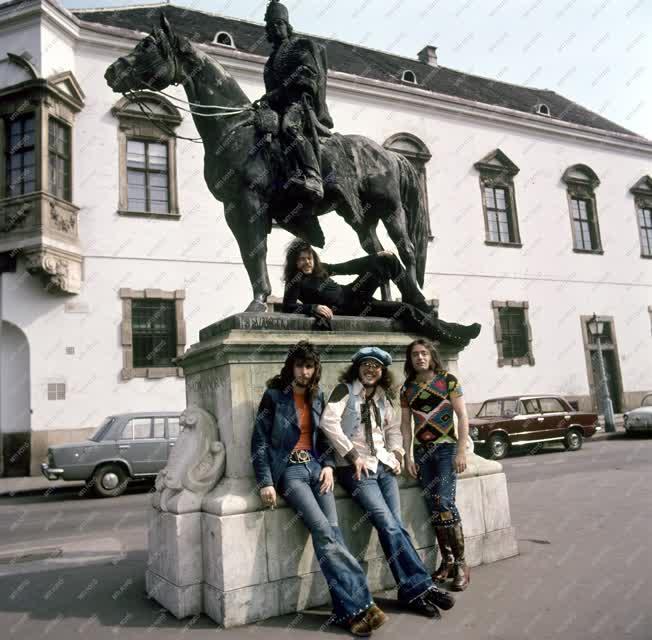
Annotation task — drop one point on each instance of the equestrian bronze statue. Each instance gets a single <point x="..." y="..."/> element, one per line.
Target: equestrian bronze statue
<point x="276" y="160"/>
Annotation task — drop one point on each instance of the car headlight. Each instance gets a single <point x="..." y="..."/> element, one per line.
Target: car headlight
<point x="474" y="432"/>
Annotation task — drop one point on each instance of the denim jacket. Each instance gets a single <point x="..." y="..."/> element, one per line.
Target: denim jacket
<point x="276" y="433"/>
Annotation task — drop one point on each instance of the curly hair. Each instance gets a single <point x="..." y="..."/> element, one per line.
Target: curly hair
<point x="386" y="382"/>
<point x="302" y="352"/>
<point x="435" y="361"/>
<point x="294" y="249"/>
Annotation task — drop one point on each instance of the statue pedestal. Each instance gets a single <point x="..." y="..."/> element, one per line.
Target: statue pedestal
<point x="240" y="563"/>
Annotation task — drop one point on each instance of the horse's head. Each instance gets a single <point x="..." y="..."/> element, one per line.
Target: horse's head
<point x="152" y="64"/>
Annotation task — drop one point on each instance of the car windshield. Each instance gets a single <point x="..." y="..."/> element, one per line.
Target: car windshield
<point x="102" y="429"/>
<point x="647" y="401"/>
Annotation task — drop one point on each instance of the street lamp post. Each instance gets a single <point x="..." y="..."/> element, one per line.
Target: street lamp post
<point x="596" y="327"/>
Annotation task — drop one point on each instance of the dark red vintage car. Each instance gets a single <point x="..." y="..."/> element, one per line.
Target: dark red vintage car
<point x="529" y="420"/>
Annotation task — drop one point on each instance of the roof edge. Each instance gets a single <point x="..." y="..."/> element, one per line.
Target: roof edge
<point x="418" y="94"/>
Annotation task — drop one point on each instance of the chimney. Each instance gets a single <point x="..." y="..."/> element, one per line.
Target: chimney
<point x="428" y="55"/>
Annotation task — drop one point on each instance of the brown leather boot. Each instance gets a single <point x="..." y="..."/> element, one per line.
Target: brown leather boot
<point x="446" y="567"/>
<point x="461" y="573"/>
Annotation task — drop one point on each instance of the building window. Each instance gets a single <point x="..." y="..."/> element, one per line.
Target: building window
<point x="513" y="333"/>
<point x="642" y="192"/>
<point x="224" y="38"/>
<point x="409" y="76"/>
<point x="20" y="155"/>
<point x="497" y="173"/>
<point x="645" y="230"/>
<point x="581" y="182"/>
<point x="147" y="176"/>
<point x="59" y="175"/>
<point x="153" y="332"/>
<point x="542" y="109"/>
<point x="417" y="153"/>
<point x="583" y="226"/>
<point x="496" y="201"/>
<point x="38" y="217"/>
<point x="147" y="156"/>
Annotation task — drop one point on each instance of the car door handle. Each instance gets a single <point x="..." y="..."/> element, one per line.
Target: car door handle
<point x="566" y="417"/>
<point x="123" y="446"/>
<point x="539" y="419"/>
<point x="171" y="444"/>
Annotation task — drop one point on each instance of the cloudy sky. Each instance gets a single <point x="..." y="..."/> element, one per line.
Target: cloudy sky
<point x="595" y="52"/>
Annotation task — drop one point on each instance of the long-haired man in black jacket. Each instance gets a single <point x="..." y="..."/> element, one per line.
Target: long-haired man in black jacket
<point x="309" y="289"/>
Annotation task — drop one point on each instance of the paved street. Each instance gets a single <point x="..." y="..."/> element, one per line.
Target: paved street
<point x="583" y="521"/>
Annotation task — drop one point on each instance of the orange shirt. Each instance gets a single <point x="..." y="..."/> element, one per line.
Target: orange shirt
<point x="305" y="423"/>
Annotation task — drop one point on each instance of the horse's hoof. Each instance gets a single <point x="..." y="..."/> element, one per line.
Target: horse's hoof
<point x="256" y="306"/>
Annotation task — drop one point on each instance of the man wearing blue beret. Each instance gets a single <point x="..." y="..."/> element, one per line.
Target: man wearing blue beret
<point x="363" y="426"/>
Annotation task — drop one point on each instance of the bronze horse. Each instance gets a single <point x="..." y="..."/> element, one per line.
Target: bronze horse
<point x="363" y="182"/>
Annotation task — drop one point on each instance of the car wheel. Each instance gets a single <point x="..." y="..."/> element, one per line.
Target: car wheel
<point x="573" y="440"/>
<point x="498" y="447"/>
<point x="109" y="481"/>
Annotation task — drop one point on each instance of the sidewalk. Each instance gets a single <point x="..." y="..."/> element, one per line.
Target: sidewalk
<point x="33" y="484"/>
<point x="620" y="429"/>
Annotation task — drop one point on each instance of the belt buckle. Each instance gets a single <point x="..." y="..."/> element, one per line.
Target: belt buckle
<point x="300" y="456"/>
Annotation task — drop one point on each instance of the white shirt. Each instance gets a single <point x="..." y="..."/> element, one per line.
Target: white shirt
<point x="387" y="437"/>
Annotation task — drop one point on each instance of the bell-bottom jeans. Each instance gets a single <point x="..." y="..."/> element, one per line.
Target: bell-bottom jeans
<point x="438" y="481"/>
<point x="346" y="580"/>
<point x="378" y="496"/>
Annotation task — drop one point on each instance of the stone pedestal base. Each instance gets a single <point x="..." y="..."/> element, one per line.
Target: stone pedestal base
<point x="260" y="564"/>
<point x="239" y="563"/>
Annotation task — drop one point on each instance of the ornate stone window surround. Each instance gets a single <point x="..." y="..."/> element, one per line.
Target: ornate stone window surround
<point x="498" y="333"/>
<point x="415" y="150"/>
<point x="498" y="171"/>
<point x="38" y="224"/>
<point x="581" y="182"/>
<point x="134" y="124"/>
<point x="126" y="334"/>
<point x="642" y="192"/>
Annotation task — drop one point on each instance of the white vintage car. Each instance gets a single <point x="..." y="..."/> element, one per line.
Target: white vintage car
<point x="639" y="420"/>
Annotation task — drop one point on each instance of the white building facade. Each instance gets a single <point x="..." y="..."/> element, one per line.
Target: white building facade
<point x="538" y="221"/>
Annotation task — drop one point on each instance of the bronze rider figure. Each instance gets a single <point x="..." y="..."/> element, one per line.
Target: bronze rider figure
<point x="295" y="85"/>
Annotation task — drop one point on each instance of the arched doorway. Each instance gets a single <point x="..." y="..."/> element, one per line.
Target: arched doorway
<point x="15" y="420"/>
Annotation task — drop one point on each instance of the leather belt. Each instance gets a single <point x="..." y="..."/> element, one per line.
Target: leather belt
<point x="300" y="456"/>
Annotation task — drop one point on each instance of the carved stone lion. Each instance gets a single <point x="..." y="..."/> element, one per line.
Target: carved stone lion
<point x="195" y="466"/>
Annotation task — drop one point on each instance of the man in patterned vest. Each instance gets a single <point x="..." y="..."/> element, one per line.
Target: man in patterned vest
<point x="295" y="85"/>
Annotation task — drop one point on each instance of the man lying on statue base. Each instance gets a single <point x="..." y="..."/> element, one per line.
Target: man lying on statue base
<point x="310" y="290"/>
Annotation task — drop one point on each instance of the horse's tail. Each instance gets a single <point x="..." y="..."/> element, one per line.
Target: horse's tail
<point x="417" y="214"/>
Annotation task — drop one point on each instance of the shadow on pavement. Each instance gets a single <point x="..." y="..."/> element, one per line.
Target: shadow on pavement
<point x="98" y="595"/>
